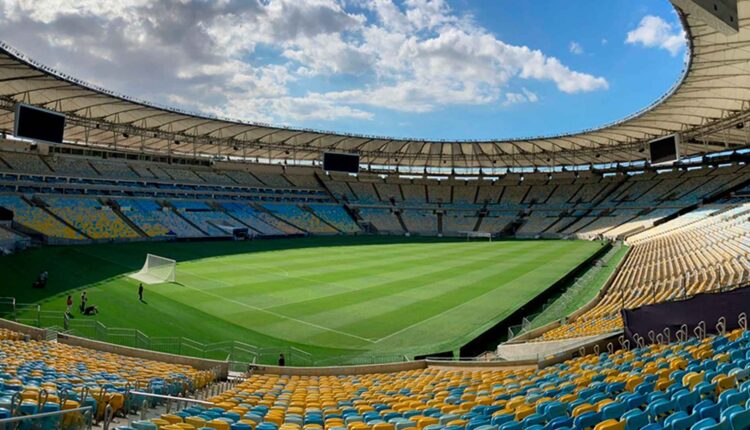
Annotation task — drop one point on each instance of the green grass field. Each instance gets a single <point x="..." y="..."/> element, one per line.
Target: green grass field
<point x="328" y="296"/>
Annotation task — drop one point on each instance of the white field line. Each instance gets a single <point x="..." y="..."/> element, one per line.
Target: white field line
<point x="241" y="303"/>
<point x="338" y="286"/>
<point x="269" y="271"/>
<point x="435" y="316"/>
<point x="276" y="314"/>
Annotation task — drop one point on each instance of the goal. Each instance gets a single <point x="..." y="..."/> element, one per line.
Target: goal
<point x="478" y="235"/>
<point x="156" y="270"/>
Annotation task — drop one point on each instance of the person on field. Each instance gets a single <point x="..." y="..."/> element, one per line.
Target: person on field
<point x="41" y="280"/>
<point x="84" y="299"/>
<point x="69" y="304"/>
<point x="140" y="292"/>
<point x="282" y="360"/>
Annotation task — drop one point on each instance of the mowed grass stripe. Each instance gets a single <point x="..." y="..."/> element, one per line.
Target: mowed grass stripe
<point x="269" y="313"/>
<point x="418" y="295"/>
<point x="240" y="275"/>
<point x="402" y="279"/>
<point x="471" y="316"/>
<point x="442" y="290"/>
<point x="275" y="323"/>
<point x="304" y="259"/>
<point x="347" y="309"/>
<point x="341" y="279"/>
<point x="312" y="262"/>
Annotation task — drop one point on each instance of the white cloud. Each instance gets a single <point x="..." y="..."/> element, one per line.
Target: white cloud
<point x="252" y="59"/>
<point x="575" y="48"/>
<point x="655" y="32"/>
<point x="525" y="96"/>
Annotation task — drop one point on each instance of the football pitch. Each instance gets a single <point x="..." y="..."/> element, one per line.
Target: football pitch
<point x="330" y="297"/>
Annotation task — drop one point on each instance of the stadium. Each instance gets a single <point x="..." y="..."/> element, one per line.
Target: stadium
<point x="170" y="270"/>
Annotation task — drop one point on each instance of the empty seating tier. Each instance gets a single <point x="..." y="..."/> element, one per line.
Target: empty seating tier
<point x="701" y="252"/>
<point x="695" y="383"/>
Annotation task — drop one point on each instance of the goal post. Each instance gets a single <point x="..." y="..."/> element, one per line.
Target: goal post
<point x="478" y="235"/>
<point x="156" y="270"/>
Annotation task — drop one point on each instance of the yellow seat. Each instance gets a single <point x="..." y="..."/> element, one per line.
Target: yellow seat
<point x="610" y="425"/>
<point x="173" y="419"/>
<point x="524" y="411"/>
<point x="197" y="422"/>
<point x="218" y="425"/>
<point x="160" y="423"/>
<point x="581" y="409"/>
<point x="691" y="379"/>
<point x="724" y="382"/>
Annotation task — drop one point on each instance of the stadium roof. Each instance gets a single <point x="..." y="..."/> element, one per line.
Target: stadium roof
<point x="709" y="105"/>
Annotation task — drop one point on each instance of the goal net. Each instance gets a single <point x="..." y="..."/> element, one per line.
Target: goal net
<point x="478" y="235"/>
<point x="156" y="270"/>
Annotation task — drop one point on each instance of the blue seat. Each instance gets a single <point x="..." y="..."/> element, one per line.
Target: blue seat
<point x="708" y="409"/>
<point x="553" y="410"/>
<point x="587" y="420"/>
<point x="613" y="411"/>
<point x="635" y="419"/>
<point x="687" y="400"/>
<point x="498" y="420"/>
<point x="740" y="420"/>
<point x="680" y="420"/>
<point x="143" y="425"/>
<point x="728" y="412"/>
<point x="710" y="424"/>
<point x="232" y="416"/>
<point x="512" y="425"/>
<point x="559" y="422"/>
<point x="633" y="400"/>
<point x="645" y="387"/>
<point x="706" y="390"/>
<point x="675" y="416"/>
<point x="660" y="409"/>
<point x="531" y="420"/>
<point x="732" y="397"/>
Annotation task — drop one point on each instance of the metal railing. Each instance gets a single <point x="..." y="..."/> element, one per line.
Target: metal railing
<point x="545" y="315"/>
<point x="58" y="322"/>
<point x="72" y="419"/>
<point x="239" y="354"/>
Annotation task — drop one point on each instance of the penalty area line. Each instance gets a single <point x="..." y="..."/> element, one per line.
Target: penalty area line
<point x="256" y="308"/>
<point x="276" y="314"/>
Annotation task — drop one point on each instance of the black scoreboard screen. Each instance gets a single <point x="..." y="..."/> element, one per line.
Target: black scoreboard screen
<point x="39" y="124"/>
<point x="335" y="162"/>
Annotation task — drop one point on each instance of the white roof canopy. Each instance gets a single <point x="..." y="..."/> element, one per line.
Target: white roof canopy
<point x="706" y="106"/>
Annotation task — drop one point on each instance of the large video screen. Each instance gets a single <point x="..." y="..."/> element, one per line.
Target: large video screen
<point x="335" y="162"/>
<point x="39" y="124"/>
<point x="664" y="150"/>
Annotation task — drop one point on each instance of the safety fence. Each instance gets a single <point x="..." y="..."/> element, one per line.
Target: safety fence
<point x="70" y="419"/>
<point x="239" y="354"/>
<point x="555" y="307"/>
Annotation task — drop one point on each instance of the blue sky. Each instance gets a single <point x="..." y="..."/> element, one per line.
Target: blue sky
<point x="434" y="69"/>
